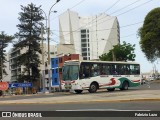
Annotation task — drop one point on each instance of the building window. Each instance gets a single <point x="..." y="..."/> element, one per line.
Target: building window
<point x="55" y="80"/>
<point x="84" y="54"/>
<point x="83" y="36"/>
<point x="46" y="71"/>
<point x="84" y="58"/>
<point x="46" y="64"/>
<point x="83" y="40"/>
<point x="60" y="60"/>
<point x="60" y="70"/>
<point x="84" y="45"/>
<point x="84" y="49"/>
<point x="83" y="31"/>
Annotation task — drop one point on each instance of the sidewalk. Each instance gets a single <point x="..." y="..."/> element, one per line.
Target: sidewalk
<point x="116" y="96"/>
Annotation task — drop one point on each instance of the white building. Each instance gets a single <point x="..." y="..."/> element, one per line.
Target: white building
<point x="7" y="77"/>
<point x="88" y="36"/>
<point x="16" y="69"/>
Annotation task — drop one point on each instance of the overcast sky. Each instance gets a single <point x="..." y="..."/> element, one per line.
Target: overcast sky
<point x="130" y="13"/>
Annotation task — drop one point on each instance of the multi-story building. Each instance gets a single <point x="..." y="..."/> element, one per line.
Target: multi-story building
<point x="16" y="69"/>
<point x="57" y="64"/>
<point x="55" y="70"/>
<point x="88" y="36"/>
<point x="6" y="77"/>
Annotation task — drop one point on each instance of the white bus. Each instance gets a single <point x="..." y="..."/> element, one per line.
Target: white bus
<point x="94" y="75"/>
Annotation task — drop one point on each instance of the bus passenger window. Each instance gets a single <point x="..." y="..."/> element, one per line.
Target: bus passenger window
<point x="114" y="70"/>
<point x="81" y="72"/>
<point x="86" y="72"/>
<point x="95" y="71"/>
<point x="102" y="70"/>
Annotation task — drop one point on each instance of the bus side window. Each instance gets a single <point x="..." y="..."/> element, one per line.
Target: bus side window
<point x="95" y="71"/>
<point x="86" y="71"/>
<point x="128" y="70"/>
<point x="81" y="72"/>
<point x="108" y="70"/>
<point x="137" y="70"/>
<point x="114" y="70"/>
<point x="119" y="69"/>
<point x="104" y="69"/>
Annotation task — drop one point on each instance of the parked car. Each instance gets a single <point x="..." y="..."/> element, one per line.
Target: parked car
<point x="151" y="78"/>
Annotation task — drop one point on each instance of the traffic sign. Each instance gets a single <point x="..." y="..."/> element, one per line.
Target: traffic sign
<point x="3" y="86"/>
<point x="16" y="85"/>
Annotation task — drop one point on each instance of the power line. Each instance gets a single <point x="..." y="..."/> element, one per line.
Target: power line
<point x="104" y="29"/>
<point x="118" y="9"/>
<point x="119" y="15"/>
<point x="103" y="12"/>
<point x="94" y="55"/>
<point x="77" y="4"/>
<point x="112" y="6"/>
<point x="112" y="18"/>
<point x="70" y="8"/>
<point x="127" y="11"/>
<point x="134" y="7"/>
<point x="125" y="7"/>
<point x="120" y="37"/>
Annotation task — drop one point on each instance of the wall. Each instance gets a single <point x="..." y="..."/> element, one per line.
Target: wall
<point x="54" y="68"/>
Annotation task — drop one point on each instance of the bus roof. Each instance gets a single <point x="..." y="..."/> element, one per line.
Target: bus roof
<point x="89" y="61"/>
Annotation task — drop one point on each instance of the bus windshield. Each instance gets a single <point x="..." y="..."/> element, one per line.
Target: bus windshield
<point x="70" y="72"/>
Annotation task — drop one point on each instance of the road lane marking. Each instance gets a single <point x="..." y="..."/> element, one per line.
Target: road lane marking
<point x="101" y="110"/>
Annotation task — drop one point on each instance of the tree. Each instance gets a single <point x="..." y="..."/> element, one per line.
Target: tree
<point x="4" y="41"/>
<point x="124" y="52"/>
<point x="150" y="35"/>
<point x="28" y="40"/>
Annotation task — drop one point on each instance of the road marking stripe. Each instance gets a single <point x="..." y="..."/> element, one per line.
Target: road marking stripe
<point x="101" y="110"/>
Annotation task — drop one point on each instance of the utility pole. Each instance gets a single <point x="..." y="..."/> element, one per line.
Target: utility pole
<point x="113" y="55"/>
<point x="97" y="38"/>
<point x="49" y="74"/>
<point x="1" y="55"/>
<point x="48" y="38"/>
<point x="42" y="83"/>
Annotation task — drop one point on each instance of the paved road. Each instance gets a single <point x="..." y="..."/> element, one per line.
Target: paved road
<point x="119" y="106"/>
<point x="94" y="106"/>
<point x="150" y="86"/>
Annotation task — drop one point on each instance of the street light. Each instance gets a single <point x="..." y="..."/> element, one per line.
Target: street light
<point x="111" y="48"/>
<point x="49" y="45"/>
<point x="43" y="65"/>
<point x="48" y="37"/>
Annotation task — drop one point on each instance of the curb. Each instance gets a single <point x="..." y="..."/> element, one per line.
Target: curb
<point x="89" y="101"/>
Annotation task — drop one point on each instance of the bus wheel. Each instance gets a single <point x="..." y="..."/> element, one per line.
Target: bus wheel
<point x="110" y="89"/>
<point x="125" y="86"/>
<point x="93" y="88"/>
<point x="78" y="91"/>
